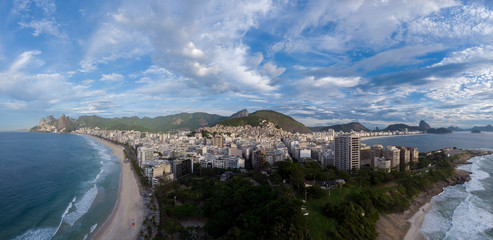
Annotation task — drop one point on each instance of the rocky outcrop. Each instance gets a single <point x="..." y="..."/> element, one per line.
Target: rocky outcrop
<point x="242" y="113"/>
<point x="51" y="124"/>
<point x="46" y="120"/>
<point x="423" y="126"/>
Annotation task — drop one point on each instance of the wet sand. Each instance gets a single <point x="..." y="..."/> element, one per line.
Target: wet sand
<point x="126" y="218"/>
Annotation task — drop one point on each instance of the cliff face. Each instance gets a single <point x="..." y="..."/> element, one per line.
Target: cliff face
<point x="242" y="113"/>
<point x="46" y="120"/>
<point x="51" y="124"/>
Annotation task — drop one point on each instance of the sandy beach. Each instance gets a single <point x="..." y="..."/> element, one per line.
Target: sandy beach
<point x="416" y="221"/>
<point x="129" y="208"/>
<point x="406" y="225"/>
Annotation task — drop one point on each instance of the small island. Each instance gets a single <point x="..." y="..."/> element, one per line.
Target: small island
<point x="438" y="131"/>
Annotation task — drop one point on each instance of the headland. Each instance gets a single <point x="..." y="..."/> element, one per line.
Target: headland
<point x="406" y="225"/>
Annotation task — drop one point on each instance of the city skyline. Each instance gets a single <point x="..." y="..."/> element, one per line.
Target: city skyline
<point x="321" y="62"/>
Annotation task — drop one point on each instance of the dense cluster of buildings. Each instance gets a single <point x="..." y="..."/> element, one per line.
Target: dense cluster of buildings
<point x="170" y="156"/>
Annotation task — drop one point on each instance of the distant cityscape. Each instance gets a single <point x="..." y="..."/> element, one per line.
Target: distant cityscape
<point x="170" y="156"/>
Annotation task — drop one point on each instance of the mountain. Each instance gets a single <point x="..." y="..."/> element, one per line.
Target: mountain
<point x="438" y="130"/>
<point x="456" y="129"/>
<point x="181" y="121"/>
<point x="423" y="126"/>
<point x="488" y="128"/>
<point x="242" y="113"/>
<point x="51" y="124"/>
<point x="400" y="127"/>
<point x="46" y="120"/>
<point x="354" y="126"/>
<point x="285" y="122"/>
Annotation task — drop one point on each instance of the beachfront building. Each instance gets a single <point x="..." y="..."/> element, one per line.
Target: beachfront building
<point x="144" y="154"/>
<point x="154" y="170"/>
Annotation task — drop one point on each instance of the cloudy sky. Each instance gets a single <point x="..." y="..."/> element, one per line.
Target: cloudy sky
<point x="322" y="62"/>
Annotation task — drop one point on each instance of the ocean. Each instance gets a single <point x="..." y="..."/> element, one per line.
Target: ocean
<point x="55" y="186"/>
<point x="463" y="211"/>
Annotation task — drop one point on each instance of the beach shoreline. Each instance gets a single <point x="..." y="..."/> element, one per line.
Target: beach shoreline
<point x="406" y="225"/>
<point x="127" y="216"/>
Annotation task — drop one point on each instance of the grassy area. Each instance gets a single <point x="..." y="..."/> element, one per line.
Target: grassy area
<point x="320" y="226"/>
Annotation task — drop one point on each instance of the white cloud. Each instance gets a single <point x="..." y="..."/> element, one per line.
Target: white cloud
<point x="25" y="59"/>
<point x="41" y="23"/>
<point x="203" y="43"/>
<point x="469" y="55"/>
<point x="331" y="82"/>
<point x="25" y="90"/>
<point x="354" y="24"/>
<point x="270" y="69"/>
<point x="47" y="26"/>
<point x="113" y="77"/>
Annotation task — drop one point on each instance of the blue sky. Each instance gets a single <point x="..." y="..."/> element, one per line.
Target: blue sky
<point x="322" y="62"/>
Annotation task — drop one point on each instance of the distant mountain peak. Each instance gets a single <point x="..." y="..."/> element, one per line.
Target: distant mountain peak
<point x="347" y="127"/>
<point x="242" y="113"/>
<point x="423" y="126"/>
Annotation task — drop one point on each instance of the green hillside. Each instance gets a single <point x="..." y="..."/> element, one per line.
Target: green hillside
<point x="181" y="121"/>
<point x="354" y="126"/>
<point x="400" y="127"/>
<point x="285" y="122"/>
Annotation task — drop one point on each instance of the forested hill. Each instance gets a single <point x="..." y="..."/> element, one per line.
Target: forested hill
<point x="181" y="121"/>
<point x="400" y="127"/>
<point x="285" y="122"/>
<point x="354" y="126"/>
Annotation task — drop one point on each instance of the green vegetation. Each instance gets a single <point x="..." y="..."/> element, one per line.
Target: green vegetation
<point x="253" y="121"/>
<point x="285" y="122"/>
<point x="355" y="126"/>
<point x="256" y="206"/>
<point x="400" y="127"/>
<point x="235" y="209"/>
<point x="182" y="121"/>
<point x="438" y="131"/>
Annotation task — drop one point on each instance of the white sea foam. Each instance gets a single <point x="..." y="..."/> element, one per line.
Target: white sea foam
<point x="82" y="206"/>
<point x="93" y="227"/>
<point x="37" y="234"/>
<point x="99" y="175"/>
<point x="65" y="214"/>
<point x="470" y="220"/>
<point x="85" y="237"/>
<point x="472" y="217"/>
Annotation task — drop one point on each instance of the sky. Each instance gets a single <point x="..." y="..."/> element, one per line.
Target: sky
<point x="324" y="62"/>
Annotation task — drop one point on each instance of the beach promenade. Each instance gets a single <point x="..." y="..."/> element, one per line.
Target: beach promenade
<point x="126" y="218"/>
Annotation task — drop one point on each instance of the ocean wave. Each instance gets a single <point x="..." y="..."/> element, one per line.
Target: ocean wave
<point x="470" y="220"/>
<point x="82" y="206"/>
<point x="472" y="216"/>
<point x="37" y="234"/>
<point x="93" y="227"/>
<point x="65" y="214"/>
<point x="99" y="175"/>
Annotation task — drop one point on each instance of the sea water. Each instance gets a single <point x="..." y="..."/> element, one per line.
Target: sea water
<point x="55" y="186"/>
<point x="462" y="211"/>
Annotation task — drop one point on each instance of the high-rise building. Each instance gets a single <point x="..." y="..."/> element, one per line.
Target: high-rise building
<point x="218" y="141"/>
<point x="405" y="158"/>
<point x="393" y="154"/>
<point x="347" y="152"/>
<point x="376" y="151"/>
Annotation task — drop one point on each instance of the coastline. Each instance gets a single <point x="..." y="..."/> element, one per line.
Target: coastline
<point x="406" y="225"/>
<point x="129" y="208"/>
